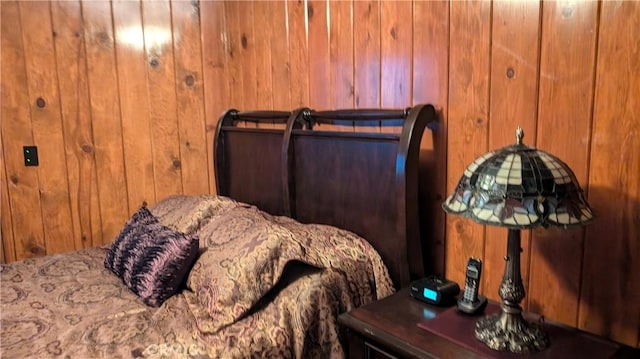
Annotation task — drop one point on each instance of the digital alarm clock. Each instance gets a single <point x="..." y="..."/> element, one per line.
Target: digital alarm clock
<point x="434" y="290"/>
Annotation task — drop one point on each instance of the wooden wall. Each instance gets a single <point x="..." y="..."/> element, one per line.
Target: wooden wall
<point x="122" y="98"/>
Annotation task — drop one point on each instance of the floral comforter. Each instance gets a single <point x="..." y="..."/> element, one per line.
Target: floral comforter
<point x="69" y="305"/>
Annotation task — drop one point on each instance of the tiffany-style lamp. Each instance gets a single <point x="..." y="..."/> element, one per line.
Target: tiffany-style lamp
<point x="517" y="187"/>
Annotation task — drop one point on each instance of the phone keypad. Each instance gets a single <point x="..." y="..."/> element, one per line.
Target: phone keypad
<point x="470" y="292"/>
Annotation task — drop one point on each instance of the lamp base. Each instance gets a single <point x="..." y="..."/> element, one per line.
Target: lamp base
<point x="509" y="331"/>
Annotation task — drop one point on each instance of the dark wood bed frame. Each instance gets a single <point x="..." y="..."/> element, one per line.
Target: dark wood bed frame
<point x="365" y="182"/>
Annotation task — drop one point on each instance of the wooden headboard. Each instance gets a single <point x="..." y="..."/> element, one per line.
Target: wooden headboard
<point x="248" y="158"/>
<point x="359" y="180"/>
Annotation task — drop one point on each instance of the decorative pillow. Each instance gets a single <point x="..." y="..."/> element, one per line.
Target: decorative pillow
<point x="234" y="273"/>
<point x="152" y="259"/>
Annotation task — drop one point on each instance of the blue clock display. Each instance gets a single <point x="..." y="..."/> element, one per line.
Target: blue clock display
<point x="430" y="294"/>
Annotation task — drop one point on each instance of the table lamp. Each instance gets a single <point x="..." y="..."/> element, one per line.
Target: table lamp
<point x="517" y="187"/>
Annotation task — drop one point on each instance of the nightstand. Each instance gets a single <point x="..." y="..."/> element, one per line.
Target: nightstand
<point x="388" y="328"/>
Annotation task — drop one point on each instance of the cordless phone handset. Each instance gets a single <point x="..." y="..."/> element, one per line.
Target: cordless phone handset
<point x="471" y="302"/>
<point x="474" y="267"/>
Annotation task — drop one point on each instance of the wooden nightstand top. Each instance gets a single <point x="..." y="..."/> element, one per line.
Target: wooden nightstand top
<point x="392" y="324"/>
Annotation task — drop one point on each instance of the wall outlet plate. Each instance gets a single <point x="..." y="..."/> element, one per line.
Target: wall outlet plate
<point x="30" y="155"/>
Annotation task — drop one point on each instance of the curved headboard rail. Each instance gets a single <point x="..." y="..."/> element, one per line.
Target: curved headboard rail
<point x="297" y="120"/>
<point x="247" y="159"/>
<point x="418" y="117"/>
<point x="360" y="181"/>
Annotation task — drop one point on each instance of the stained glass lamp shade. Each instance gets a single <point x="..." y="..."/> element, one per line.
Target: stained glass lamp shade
<point x="517" y="187"/>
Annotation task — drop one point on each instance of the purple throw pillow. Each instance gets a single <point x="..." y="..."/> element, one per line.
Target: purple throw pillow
<point x="152" y="259"/>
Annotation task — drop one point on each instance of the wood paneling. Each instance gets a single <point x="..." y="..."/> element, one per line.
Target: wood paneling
<point x="133" y="91"/>
<point x="341" y="54"/>
<point x="298" y="52"/>
<point x="190" y="97"/>
<point x="468" y="121"/>
<point x="46" y="125"/>
<point x="75" y="109"/>
<point x="161" y="88"/>
<point x="246" y="53"/>
<point x="319" y="62"/>
<point x="262" y="34"/>
<point x="610" y="292"/>
<point x="106" y="121"/>
<point x="7" y="247"/>
<point x="214" y="40"/>
<point x="567" y="60"/>
<point x="279" y="50"/>
<point x="366" y="38"/>
<point x="430" y="85"/>
<point x="366" y="58"/>
<point x="24" y="196"/>
<point x="233" y="58"/>
<point x="396" y="36"/>
<point x="513" y="99"/>
<point x="134" y="101"/>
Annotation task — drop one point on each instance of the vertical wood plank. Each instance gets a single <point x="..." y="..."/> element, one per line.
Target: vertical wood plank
<point x="214" y="39"/>
<point x="567" y="60"/>
<point x="396" y="31"/>
<point x="430" y="85"/>
<point x="246" y="58"/>
<point x="319" y="62"/>
<point x="190" y="97"/>
<point x="258" y="52"/>
<point x="469" y="61"/>
<point x="367" y="58"/>
<point x="280" y="64"/>
<point x="7" y="240"/>
<point x="261" y="54"/>
<point x="156" y="22"/>
<point x="23" y="188"/>
<point x="366" y="32"/>
<point x="44" y="102"/>
<point x="234" y="55"/>
<point x="341" y="54"/>
<point x="134" y="102"/>
<point x="71" y="64"/>
<point x="299" y="52"/>
<point x="514" y="88"/>
<point x="610" y="290"/>
<point x="106" y="119"/>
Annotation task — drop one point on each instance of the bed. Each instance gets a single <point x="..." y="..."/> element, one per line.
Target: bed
<point x="308" y="222"/>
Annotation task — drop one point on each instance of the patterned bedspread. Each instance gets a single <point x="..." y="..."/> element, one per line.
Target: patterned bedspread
<point x="69" y="305"/>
